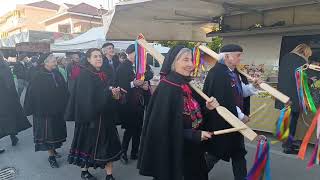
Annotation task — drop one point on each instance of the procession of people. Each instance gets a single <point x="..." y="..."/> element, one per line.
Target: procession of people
<point x="170" y="129"/>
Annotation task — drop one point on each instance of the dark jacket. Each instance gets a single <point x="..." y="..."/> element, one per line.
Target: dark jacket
<point x="47" y="94"/>
<point x="131" y="111"/>
<point x="12" y="117"/>
<point x="218" y="85"/>
<point x="89" y="96"/>
<point x="287" y="81"/>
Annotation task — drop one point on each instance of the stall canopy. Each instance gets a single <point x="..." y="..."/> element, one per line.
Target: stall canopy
<point x="94" y="38"/>
<point x="179" y="20"/>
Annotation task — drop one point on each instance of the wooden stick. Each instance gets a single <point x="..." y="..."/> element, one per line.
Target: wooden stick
<point x="229" y="117"/>
<point x="227" y="131"/>
<point x="158" y="56"/>
<point x="222" y="111"/>
<point x="257" y="110"/>
<point x="314" y="67"/>
<point x="274" y="92"/>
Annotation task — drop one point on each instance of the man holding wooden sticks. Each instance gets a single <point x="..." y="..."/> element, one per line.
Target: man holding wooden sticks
<point x="224" y="83"/>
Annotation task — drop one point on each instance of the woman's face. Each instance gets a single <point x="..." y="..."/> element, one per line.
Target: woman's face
<point x="96" y="59"/>
<point x="184" y="64"/>
<point x="51" y="63"/>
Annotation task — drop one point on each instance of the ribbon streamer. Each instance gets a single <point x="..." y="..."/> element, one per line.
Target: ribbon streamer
<point x="197" y="61"/>
<point x="306" y="139"/>
<point x="305" y="99"/>
<point x="283" y="124"/>
<point x="261" y="166"/>
<point x="141" y="61"/>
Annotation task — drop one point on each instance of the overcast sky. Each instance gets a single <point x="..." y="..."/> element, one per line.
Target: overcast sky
<point x="8" y="5"/>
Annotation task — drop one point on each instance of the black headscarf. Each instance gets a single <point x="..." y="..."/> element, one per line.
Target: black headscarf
<point x="171" y="55"/>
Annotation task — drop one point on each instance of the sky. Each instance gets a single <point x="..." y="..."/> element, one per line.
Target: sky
<point x="8" y="5"/>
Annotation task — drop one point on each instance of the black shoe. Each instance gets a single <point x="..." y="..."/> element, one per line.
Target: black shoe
<point x="293" y="145"/>
<point x="124" y="158"/>
<point x="290" y="151"/>
<point x="110" y="177"/>
<point x="53" y="162"/>
<point x="56" y="154"/>
<point x="14" y="140"/>
<point x="2" y="151"/>
<point x="85" y="175"/>
<point x="133" y="157"/>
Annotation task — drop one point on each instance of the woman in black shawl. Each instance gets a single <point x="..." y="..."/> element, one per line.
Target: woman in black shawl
<point x="96" y="141"/>
<point x="46" y="99"/>
<point x="287" y="84"/>
<point x="12" y="118"/>
<point x="171" y="137"/>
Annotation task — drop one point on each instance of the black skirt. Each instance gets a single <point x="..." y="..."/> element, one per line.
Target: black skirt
<point x="95" y="144"/>
<point x="49" y="132"/>
<point x="195" y="167"/>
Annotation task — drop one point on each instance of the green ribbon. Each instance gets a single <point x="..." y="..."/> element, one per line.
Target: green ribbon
<point x="309" y="98"/>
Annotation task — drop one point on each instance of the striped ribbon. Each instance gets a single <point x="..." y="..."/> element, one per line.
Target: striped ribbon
<point x="261" y="166"/>
<point x="141" y="61"/>
<point x="305" y="99"/>
<point x="283" y="124"/>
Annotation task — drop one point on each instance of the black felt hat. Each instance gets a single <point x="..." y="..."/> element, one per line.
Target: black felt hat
<point x="231" y="48"/>
<point x="131" y="48"/>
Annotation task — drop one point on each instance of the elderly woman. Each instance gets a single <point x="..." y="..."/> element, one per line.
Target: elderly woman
<point x="287" y="84"/>
<point x="46" y="99"/>
<point x="172" y="135"/>
<point x="96" y="141"/>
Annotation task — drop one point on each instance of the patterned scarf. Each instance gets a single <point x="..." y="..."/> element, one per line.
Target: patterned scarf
<point x="191" y="106"/>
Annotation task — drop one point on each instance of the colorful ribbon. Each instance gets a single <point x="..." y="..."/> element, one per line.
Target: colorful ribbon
<point x="141" y="61"/>
<point x="305" y="99"/>
<point x="196" y="61"/>
<point x="261" y="166"/>
<point x="283" y="124"/>
<point x="303" y="148"/>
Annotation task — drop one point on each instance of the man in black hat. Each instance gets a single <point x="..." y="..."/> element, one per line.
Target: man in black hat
<point x="131" y="110"/>
<point x="224" y="83"/>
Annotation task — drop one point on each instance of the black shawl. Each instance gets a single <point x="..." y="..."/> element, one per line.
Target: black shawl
<point x="88" y="96"/>
<point x="161" y="150"/>
<point x="12" y="118"/>
<point x="47" y="94"/>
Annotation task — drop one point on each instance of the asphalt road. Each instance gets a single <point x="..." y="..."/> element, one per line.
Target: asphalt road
<point x="34" y="166"/>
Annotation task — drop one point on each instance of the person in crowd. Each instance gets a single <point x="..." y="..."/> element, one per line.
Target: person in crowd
<point x="122" y="57"/>
<point x="62" y="67"/>
<point x="73" y="68"/>
<point x="109" y="59"/>
<point x="46" y="100"/>
<point x="21" y="71"/>
<point x="287" y="84"/>
<point x="132" y="110"/>
<point x="224" y="83"/>
<point x="96" y="141"/>
<point x="12" y="117"/>
<point x="171" y="146"/>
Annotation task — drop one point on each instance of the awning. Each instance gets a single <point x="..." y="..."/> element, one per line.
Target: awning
<point x="179" y="20"/>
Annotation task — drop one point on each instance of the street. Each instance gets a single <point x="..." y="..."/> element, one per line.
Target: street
<point x="34" y="166"/>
